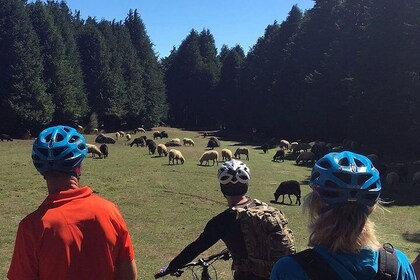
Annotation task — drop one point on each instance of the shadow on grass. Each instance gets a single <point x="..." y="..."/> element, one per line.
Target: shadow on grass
<point x="412" y="237"/>
<point x="404" y="195"/>
<point x="283" y="203"/>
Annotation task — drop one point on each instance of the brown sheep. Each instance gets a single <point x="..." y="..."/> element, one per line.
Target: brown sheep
<point x="243" y="151"/>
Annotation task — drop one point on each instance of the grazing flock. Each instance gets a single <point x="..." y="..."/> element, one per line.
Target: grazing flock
<point x="303" y="153"/>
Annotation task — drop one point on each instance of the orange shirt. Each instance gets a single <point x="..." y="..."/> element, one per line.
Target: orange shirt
<point x="74" y="234"/>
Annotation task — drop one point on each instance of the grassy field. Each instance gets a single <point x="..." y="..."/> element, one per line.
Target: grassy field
<point x="167" y="206"/>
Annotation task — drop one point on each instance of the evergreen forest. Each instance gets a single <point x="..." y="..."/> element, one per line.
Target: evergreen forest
<point x="345" y="69"/>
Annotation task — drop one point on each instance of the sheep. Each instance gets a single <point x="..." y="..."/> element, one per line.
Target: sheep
<point x="152" y="147"/>
<point x="95" y="131"/>
<point x="319" y="148"/>
<point x="138" y="141"/>
<point x="177" y="140"/>
<point x="128" y="136"/>
<point x="104" y="139"/>
<point x="162" y="150"/>
<point x="188" y="141"/>
<point x="164" y="134"/>
<point x="279" y="155"/>
<point x="209" y="155"/>
<point x="243" y="151"/>
<point x="301" y="146"/>
<point x="305" y="157"/>
<point x="213" y="142"/>
<point x="122" y="133"/>
<point x="284" y="144"/>
<point x="292" y="146"/>
<point x="156" y="134"/>
<point x="94" y="150"/>
<point x="264" y="147"/>
<point x="5" y="137"/>
<point x="288" y="187"/>
<point x="175" y="155"/>
<point x="392" y="179"/>
<point x="173" y="144"/>
<point x="104" y="150"/>
<point x="117" y="135"/>
<point x="139" y="129"/>
<point x="416" y="179"/>
<point x="226" y="154"/>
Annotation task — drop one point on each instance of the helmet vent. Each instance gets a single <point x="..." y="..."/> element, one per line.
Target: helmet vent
<point x="69" y="155"/>
<point x="361" y="179"/>
<point x="74" y="139"/>
<point x="372" y="187"/>
<point x="315" y="175"/>
<point x="58" y="151"/>
<point x="346" y="178"/>
<point x="35" y="157"/>
<point x="224" y="178"/>
<point x="344" y="162"/>
<point x="81" y="147"/>
<point x="325" y="164"/>
<point x="48" y="138"/>
<point x="66" y="129"/>
<point x="44" y="152"/>
<point x="331" y="184"/>
<point x="358" y="163"/>
<point x="59" y="137"/>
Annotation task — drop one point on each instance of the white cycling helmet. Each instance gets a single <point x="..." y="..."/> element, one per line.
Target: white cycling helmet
<point x="233" y="177"/>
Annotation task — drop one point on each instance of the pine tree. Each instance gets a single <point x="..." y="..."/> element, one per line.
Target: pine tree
<point x="23" y="100"/>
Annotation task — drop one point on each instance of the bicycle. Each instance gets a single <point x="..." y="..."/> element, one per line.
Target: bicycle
<point x="203" y="263"/>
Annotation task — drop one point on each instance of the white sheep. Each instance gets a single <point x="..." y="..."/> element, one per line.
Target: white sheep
<point x="293" y="145"/>
<point x="392" y="179"/>
<point x="95" y="131"/>
<point x="188" y="141"/>
<point x="284" y="144"/>
<point x="226" y="154"/>
<point x="128" y="136"/>
<point x="416" y="179"/>
<point x="122" y="133"/>
<point x="176" y="140"/>
<point x="117" y="135"/>
<point x="139" y="129"/>
<point x="94" y="150"/>
<point x="209" y="155"/>
<point x="241" y="151"/>
<point x="175" y="155"/>
<point x="162" y="150"/>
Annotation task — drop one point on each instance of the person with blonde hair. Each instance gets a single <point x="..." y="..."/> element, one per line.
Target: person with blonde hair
<point x="345" y="191"/>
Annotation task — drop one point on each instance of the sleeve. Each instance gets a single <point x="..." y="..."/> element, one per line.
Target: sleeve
<point x="24" y="263"/>
<point x="126" y="250"/>
<point x="215" y="229"/>
<point x="405" y="269"/>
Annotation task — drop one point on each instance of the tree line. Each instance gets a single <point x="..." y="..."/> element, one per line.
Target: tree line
<point x="56" y="68"/>
<point x="344" y="69"/>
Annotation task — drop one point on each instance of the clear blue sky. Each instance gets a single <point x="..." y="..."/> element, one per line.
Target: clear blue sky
<point x="168" y="22"/>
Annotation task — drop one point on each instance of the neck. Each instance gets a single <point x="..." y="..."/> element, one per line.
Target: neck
<point x="237" y="199"/>
<point x="57" y="182"/>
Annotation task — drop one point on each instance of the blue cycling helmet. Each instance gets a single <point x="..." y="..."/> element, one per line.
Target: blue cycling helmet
<point x="346" y="176"/>
<point x="59" y="148"/>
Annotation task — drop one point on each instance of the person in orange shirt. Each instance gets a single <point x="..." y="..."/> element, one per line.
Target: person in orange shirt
<point x="74" y="234"/>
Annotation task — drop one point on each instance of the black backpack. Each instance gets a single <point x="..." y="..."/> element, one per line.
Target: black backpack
<point x="317" y="268"/>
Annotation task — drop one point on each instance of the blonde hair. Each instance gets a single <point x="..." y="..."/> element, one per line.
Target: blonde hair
<point x="345" y="228"/>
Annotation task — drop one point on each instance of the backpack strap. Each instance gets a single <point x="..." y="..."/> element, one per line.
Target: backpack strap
<point x="388" y="263"/>
<point x="315" y="265"/>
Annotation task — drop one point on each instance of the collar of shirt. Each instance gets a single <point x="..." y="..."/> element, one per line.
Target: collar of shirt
<point x="67" y="195"/>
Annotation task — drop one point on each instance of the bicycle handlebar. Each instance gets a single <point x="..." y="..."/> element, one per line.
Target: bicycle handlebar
<point x="224" y="255"/>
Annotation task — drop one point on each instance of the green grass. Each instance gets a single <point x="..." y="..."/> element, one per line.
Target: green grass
<point x="166" y="207"/>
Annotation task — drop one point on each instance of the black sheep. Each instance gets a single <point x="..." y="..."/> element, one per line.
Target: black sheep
<point x="164" y="134"/>
<point x="104" y="139"/>
<point x="104" y="150"/>
<point x="265" y="147"/>
<point x="279" y="156"/>
<point x="152" y="147"/>
<point x="288" y="187"/>
<point x="5" y="137"/>
<point x="138" y="141"/>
